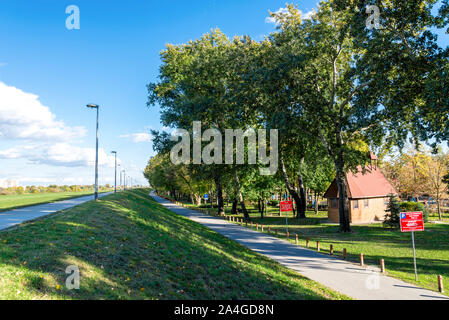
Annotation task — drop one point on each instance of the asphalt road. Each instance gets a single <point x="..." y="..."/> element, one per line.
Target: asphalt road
<point x="17" y="216"/>
<point x="362" y="283"/>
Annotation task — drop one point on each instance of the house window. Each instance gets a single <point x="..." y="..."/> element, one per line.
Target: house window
<point x="356" y="204"/>
<point x="366" y="203"/>
<point x="334" y="203"/>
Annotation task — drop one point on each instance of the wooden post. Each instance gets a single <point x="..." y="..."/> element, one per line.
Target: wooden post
<point x="269" y="230"/>
<point x="307" y="242"/>
<point x="288" y="235"/>
<point x="345" y="253"/>
<point x="382" y="265"/>
<point x="276" y="231"/>
<point x="262" y="228"/>
<point x="296" y="238"/>
<point x="362" y="261"/>
<point x="440" y="284"/>
<point x="318" y="246"/>
<point x="257" y="226"/>
<point x="251" y="224"/>
<point x="331" y="249"/>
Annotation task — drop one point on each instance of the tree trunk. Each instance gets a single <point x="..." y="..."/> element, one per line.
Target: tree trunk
<point x="343" y="202"/>
<point x="258" y="205"/>
<point x="240" y="196"/>
<point x="266" y="207"/>
<point x="292" y="191"/>
<point x="220" y="201"/>
<point x="303" y="207"/>
<point x="263" y="209"/>
<point x="316" y="202"/>
<point x="234" y="206"/>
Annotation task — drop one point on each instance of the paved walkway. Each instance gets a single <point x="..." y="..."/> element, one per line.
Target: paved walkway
<point x="17" y="216"/>
<point x="342" y="276"/>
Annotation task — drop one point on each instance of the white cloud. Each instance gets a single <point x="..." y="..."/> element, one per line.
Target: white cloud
<point x="59" y="154"/>
<point x="22" y="116"/>
<point x="138" y="137"/>
<point x="304" y="16"/>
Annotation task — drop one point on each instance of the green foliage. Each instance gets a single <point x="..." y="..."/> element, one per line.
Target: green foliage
<point x="392" y="213"/>
<point x="333" y="88"/>
<point x="415" y="207"/>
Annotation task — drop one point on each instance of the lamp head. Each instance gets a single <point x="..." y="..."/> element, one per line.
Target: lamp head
<point x="93" y="106"/>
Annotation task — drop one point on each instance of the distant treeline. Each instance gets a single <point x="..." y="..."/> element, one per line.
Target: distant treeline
<point x="50" y="189"/>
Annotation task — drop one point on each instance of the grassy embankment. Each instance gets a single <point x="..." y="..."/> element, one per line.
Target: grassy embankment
<point x="14" y="201"/>
<point x="129" y="247"/>
<point x="374" y="241"/>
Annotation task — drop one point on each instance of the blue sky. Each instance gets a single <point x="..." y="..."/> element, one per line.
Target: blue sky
<point x="49" y="73"/>
<point x="108" y="61"/>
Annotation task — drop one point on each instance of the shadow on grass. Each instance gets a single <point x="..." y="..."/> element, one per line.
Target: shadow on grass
<point x="128" y="247"/>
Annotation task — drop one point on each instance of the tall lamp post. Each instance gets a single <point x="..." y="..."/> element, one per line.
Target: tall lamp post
<point x="115" y="172"/>
<point x="120" y="185"/>
<point x="95" y="106"/>
<point x="124" y="179"/>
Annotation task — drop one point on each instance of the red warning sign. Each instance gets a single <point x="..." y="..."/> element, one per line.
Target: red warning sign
<point x="412" y="221"/>
<point x="286" y="206"/>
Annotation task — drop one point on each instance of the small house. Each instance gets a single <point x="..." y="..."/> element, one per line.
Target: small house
<point x="368" y="194"/>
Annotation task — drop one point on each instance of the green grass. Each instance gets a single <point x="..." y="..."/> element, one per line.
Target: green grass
<point x="14" y="201"/>
<point x="374" y="241"/>
<point x="129" y="247"/>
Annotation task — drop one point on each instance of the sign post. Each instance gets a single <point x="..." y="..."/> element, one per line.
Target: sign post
<point x="286" y="206"/>
<point x="411" y="222"/>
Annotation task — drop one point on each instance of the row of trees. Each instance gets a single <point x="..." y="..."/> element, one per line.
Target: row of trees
<point x="333" y="88"/>
<point x="416" y="174"/>
<point x="49" y="189"/>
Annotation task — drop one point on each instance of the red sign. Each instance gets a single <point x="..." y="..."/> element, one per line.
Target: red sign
<point x="286" y="206"/>
<point x="412" y="221"/>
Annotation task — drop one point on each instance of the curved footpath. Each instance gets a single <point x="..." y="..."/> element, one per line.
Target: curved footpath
<point x="18" y="216"/>
<point x="342" y="276"/>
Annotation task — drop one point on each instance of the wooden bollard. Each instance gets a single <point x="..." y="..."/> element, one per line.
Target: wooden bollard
<point x="362" y="261"/>
<point x="269" y="230"/>
<point x="345" y="253"/>
<point x="251" y="224"/>
<point x="331" y="249"/>
<point x="440" y="284"/>
<point x="296" y="238"/>
<point x="288" y="235"/>
<point x="262" y="228"/>
<point x="382" y="265"/>
<point x="318" y="246"/>
<point x="257" y="226"/>
<point x="276" y="231"/>
<point x="307" y="242"/>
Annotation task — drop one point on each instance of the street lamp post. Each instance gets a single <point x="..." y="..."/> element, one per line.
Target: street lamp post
<point x="115" y="172"/>
<point x="95" y="106"/>
<point x="124" y="179"/>
<point x="120" y="185"/>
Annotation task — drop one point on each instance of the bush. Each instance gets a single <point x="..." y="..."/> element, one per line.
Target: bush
<point x="274" y="203"/>
<point x="392" y="213"/>
<point x="415" y="207"/>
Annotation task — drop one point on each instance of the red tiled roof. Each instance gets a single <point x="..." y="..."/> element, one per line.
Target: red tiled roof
<point x="372" y="184"/>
